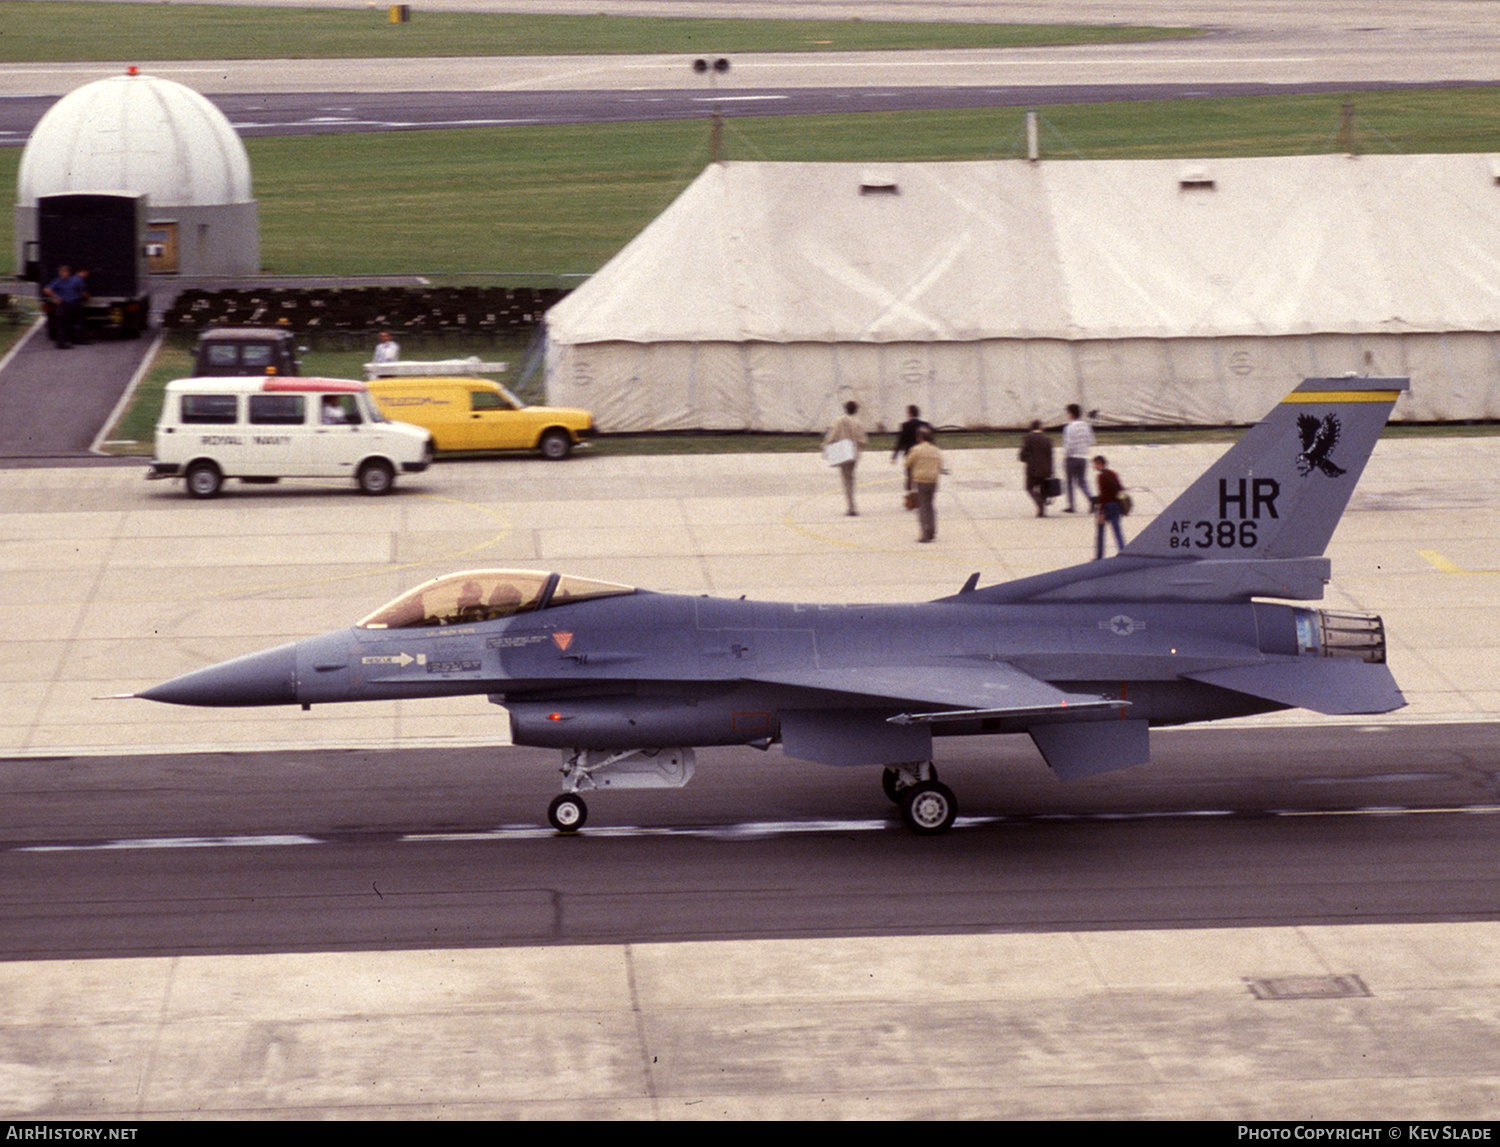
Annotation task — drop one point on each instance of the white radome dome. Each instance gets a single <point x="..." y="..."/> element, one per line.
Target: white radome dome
<point x="136" y="134"/>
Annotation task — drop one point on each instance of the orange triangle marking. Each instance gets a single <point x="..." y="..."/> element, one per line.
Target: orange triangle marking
<point x="562" y="640"/>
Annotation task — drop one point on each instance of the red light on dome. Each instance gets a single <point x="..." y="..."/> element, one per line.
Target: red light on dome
<point x="132" y="70"/>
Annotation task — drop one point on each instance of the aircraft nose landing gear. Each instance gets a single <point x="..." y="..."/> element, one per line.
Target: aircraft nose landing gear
<point x="618" y="769"/>
<point x="567" y="812"/>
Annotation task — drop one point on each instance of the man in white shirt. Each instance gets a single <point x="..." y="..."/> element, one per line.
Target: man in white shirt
<point x="387" y="349"/>
<point x="846" y="428"/>
<point x="1078" y="444"/>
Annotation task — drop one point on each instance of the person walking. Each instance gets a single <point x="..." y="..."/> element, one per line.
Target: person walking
<point x="908" y="437"/>
<point x="841" y="447"/>
<point x="924" y="462"/>
<point x="64" y="296"/>
<point x="1107" y="508"/>
<point x="1078" y="442"/>
<point x="1036" y="453"/>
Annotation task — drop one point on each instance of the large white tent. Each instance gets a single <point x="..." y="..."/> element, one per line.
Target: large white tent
<point x="991" y="293"/>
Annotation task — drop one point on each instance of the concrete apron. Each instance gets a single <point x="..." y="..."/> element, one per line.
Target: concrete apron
<point x="111" y="584"/>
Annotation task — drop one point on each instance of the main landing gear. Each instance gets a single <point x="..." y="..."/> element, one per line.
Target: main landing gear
<point x="927" y="805"/>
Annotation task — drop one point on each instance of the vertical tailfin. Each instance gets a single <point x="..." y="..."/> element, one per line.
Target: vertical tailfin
<point x="1281" y="489"/>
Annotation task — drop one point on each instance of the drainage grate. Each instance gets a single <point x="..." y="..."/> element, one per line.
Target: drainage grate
<point x="1307" y="988"/>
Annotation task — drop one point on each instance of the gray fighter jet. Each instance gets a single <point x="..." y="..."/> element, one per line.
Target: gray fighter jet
<point x="1084" y="660"/>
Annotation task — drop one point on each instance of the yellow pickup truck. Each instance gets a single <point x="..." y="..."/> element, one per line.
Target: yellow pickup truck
<point x="478" y="414"/>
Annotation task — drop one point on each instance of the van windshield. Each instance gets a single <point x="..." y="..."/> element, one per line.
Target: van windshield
<point x="371" y="409"/>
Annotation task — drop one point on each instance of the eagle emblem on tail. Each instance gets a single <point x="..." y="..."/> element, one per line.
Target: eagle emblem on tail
<point x="1319" y="437"/>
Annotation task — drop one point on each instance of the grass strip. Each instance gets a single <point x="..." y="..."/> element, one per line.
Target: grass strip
<point x="33" y="32"/>
<point x="15" y="321"/>
<point x="561" y="200"/>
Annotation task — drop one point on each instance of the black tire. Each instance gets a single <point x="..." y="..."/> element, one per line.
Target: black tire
<point x="929" y="808"/>
<point x="555" y="445"/>
<point x="376" y="477"/>
<point x="888" y="779"/>
<point x="567" y="812"/>
<point x="203" y="480"/>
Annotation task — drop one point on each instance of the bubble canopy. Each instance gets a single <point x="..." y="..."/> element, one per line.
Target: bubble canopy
<point x="485" y="595"/>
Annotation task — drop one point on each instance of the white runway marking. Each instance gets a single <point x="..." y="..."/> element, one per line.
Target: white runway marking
<point x="394" y="125"/>
<point x="748" y="830"/>
<point x="156" y="842"/>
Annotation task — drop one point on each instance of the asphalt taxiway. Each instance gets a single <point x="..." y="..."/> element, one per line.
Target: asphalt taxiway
<point x="224" y="854"/>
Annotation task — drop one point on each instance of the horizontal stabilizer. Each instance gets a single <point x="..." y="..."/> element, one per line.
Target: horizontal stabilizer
<point x="1077" y="749"/>
<point x="1337" y="686"/>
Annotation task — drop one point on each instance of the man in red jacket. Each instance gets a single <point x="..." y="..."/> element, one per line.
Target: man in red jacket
<point x="1107" y="509"/>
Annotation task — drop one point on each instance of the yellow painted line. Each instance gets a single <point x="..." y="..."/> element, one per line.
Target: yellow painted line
<point x="789" y="520"/>
<point x="1342" y="396"/>
<point x="1443" y="565"/>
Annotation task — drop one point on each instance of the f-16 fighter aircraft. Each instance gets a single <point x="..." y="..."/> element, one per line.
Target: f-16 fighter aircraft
<point x="1084" y="660"/>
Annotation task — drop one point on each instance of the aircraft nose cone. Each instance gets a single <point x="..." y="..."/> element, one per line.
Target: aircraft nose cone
<point x="267" y="678"/>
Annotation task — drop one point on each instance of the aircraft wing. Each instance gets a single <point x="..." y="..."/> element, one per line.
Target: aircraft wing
<point x="959" y="690"/>
<point x="948" y="691"/>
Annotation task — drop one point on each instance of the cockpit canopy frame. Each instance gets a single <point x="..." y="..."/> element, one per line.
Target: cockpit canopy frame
<point x="473" y="596"/>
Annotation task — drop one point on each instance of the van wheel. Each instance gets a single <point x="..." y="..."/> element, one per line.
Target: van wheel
<point x="204" y="480"/>
<point x="555" y="445"/>
<point x="376" y="477"/>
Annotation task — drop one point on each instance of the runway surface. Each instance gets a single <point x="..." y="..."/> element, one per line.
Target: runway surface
<point x="341" y="113"/>
<point x="286" y="852"/>
<point x="302" y="114"/>
<point x="1353" y="43"/>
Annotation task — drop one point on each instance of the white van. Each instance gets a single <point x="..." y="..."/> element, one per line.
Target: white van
<point x="264" y="428"/>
